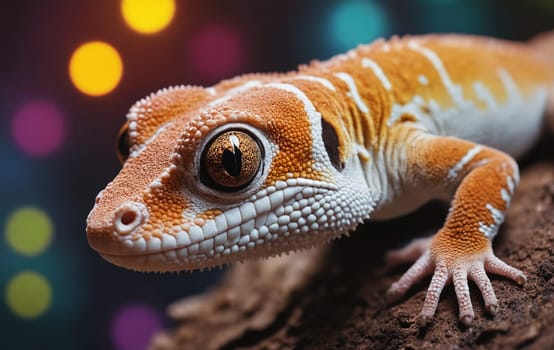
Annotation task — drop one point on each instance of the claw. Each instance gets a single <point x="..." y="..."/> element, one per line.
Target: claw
<point x="466" y="319"/>
<point x="491" y="309"/>
<point x="423" y="320"/>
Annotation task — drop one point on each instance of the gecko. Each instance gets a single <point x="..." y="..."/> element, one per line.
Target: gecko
<point x="263" y="164"/>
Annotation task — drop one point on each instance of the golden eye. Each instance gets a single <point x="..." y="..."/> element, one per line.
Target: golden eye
<point x="230" y="161"/>
<point x="123" y="146"/>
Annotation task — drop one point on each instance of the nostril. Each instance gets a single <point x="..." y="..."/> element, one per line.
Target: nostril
<point x="128" y="217"/>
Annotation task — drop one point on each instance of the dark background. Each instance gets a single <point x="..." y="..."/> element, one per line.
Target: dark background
<point x="94" y="304"/>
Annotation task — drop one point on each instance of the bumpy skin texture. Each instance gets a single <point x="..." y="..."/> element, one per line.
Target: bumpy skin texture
<point x="375" y="132"/>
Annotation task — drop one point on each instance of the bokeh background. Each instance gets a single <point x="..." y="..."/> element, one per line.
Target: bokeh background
<point x="69" y="70"/>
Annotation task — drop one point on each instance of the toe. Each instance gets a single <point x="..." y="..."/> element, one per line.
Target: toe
<point x="433" y="293"/>
<point x="411" y="252"/>
<point x="499" y="267"/>
<point x="479" y="276"/>
<point x="461" y="287"/>
<point x="419" y="270"/>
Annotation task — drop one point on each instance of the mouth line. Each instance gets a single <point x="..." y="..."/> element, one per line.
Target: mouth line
<point x="162" y="251"/>
<point x="143" y="264"/>
<point x="109" y="255"/>
<point x="314" y="185"/>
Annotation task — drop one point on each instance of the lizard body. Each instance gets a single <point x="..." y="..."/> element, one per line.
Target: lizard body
<point x="268" y="163"/>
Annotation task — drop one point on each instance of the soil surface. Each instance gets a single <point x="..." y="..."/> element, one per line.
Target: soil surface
<point x="333" y="297"/>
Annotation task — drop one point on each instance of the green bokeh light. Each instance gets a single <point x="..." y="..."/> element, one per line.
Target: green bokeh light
<point x="29" y="231"/>
<point x="28" y="295"/>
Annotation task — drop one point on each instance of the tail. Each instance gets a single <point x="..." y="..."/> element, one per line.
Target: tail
<point x="544" y="43"/>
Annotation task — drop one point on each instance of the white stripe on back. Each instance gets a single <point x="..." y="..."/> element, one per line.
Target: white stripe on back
<point x="353" y="91"/>
<point x="366" y="62"/>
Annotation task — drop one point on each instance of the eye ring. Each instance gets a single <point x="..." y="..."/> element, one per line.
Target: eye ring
<point x="123" y="144"/>
<point x="231" y="160"/>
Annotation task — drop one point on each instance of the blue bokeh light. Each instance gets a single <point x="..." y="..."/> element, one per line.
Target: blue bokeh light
<point x="356" y="22"/>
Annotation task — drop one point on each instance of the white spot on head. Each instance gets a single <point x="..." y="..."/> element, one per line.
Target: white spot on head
<point x="423" y="79"/>
<point x="156" y="184"/>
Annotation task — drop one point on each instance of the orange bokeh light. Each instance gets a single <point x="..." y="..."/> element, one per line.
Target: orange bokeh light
<point x="148" y="16"/>
<point x="95" y="68"/>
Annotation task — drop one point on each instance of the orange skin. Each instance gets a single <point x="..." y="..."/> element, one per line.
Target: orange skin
<point x="416" y="118"/>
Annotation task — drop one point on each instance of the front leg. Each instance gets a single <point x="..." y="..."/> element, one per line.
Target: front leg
<point x="484" y="180"/>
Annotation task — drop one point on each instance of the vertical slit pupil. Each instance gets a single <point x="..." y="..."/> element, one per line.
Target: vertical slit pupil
<point x="232" y="161"/>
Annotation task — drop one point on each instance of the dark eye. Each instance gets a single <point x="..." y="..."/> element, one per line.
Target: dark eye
<point x="123" y="143"/>
<point x="230" y="161"/>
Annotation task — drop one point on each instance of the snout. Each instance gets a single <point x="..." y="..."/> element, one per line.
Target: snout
<point x="114" y="233"/>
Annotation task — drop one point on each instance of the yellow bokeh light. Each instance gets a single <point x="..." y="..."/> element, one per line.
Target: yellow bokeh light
<point x="95" y="68"/>
<point x="28" y="294"/>
<point x="148" y="16"/>
<point x="29" y="231"/>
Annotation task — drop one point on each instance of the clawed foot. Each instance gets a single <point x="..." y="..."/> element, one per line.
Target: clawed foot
<point x="458" y="271"/>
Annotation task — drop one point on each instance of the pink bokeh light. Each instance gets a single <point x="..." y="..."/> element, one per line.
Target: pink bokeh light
<point x="217" y="52"/>
<point x="133" y="326"/>
<point x="38" y="128"/>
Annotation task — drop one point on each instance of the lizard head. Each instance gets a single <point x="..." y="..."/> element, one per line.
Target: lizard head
<point x="212" y="178"/>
